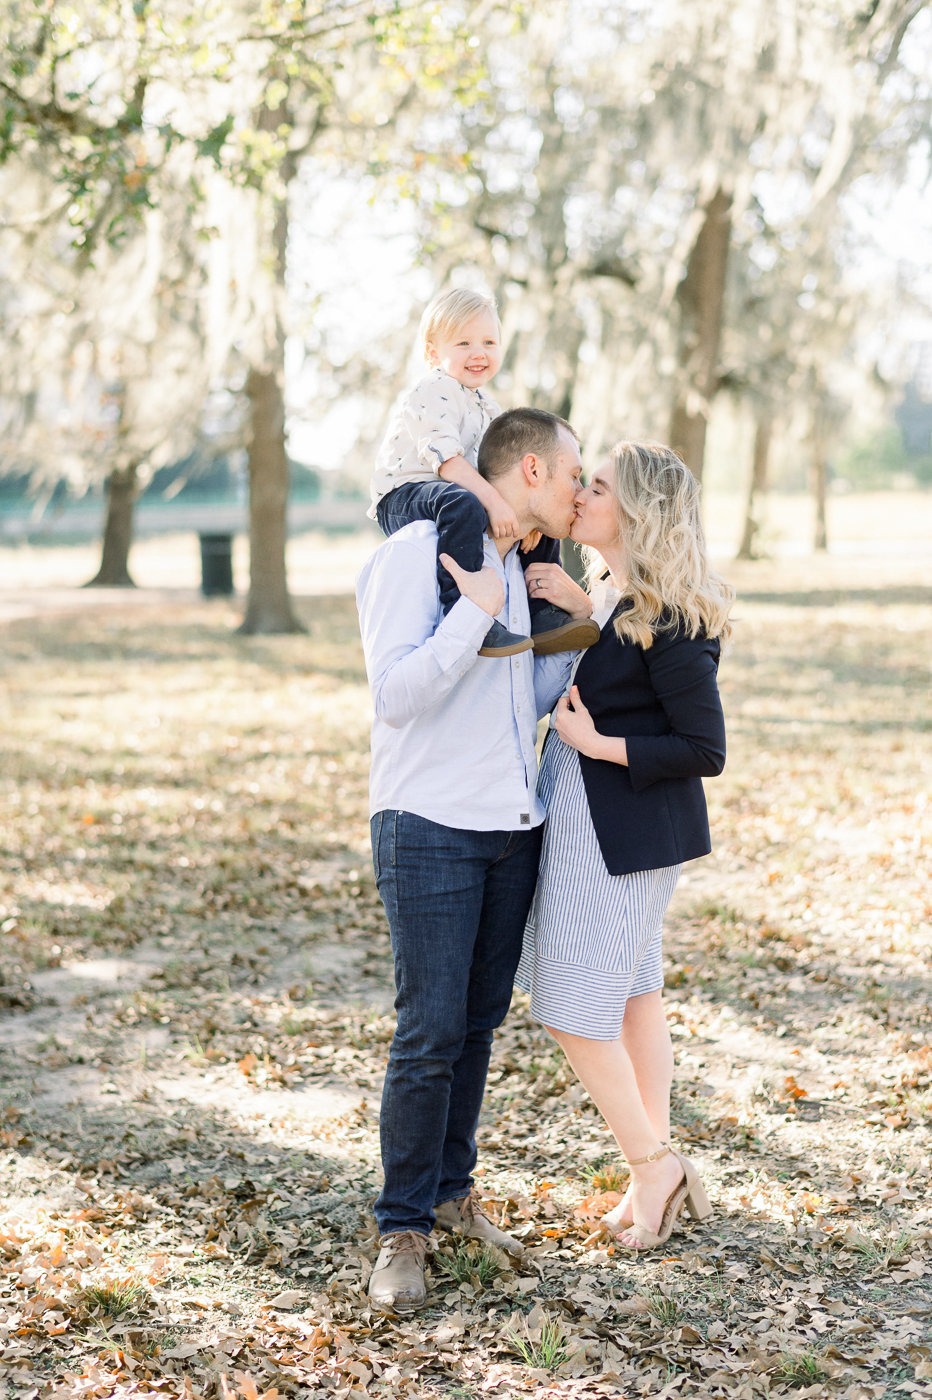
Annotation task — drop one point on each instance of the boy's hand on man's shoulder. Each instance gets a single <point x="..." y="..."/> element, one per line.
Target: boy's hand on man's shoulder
<point x="503" y="523"/>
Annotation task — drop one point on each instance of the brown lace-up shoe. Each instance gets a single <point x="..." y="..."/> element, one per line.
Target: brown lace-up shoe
<point x="552" y="630"/>
<point x="396" y="1284"/>
<point x="466" y="1217"/>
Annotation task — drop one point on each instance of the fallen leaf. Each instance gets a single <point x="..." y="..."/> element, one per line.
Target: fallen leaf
<point x="287" y="1301"/>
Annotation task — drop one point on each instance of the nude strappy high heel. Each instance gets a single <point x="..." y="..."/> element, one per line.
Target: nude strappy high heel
<point x="615" y="1219"/>
<point x="689" y="1193"/>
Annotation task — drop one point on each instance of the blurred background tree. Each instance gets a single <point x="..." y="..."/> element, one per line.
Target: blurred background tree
<point x="109" y="101"/>
<point x="677" y="204"/>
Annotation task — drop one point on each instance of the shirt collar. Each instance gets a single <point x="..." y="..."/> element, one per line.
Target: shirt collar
<point x="438" y="373"/>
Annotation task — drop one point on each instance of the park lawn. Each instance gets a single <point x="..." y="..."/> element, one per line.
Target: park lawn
<point x="195" y="1007"/>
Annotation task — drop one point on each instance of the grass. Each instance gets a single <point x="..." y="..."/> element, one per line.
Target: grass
<point x="543" y="1352"/>
<point x="115" y="1298"/>
<point x="881" y="1253"/>
<point x="801" y="1368"/>
<point x="609" y="1179"/>
<point x="663" y="1307"/>
<point x="467" y="1264"/>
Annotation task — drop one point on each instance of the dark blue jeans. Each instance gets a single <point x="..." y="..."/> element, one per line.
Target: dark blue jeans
<point x="456" y="902"/>
<point x="460" y="519"/>
<point x="461" y="525"/>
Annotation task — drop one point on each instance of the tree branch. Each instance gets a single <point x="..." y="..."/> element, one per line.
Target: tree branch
<point x="50" y="114"/>
<point x="611" y="266"/>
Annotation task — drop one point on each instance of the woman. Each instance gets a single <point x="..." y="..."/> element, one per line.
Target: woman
<point x="621" y="776"/>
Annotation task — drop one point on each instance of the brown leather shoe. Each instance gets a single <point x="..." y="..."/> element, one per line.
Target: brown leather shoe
<point x="552" y="630"/>
<point x="396" y="1284"/>
<point x="466" y="1217"/>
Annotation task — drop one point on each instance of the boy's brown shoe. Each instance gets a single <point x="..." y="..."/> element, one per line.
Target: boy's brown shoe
<point x="396" y="1284"/>
<point x="554" y="630"/>
<point x="466" y="1217"/>
<point x="498" y="641"/>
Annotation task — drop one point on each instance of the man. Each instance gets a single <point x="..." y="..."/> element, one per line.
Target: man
<point x="455" y="834"/>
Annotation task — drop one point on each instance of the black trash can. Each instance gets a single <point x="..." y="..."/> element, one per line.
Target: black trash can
<point x="216" y="565"/>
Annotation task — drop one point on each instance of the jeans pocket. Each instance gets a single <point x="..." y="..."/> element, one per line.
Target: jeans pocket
<point x="384" y="829"/>
<point x="375" y="831"/>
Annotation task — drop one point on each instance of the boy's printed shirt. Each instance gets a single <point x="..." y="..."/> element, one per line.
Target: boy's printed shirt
<point x="439" y="418"/>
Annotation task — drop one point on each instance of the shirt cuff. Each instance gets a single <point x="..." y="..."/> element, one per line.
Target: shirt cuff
<point x="467" y="623"/>
<point x="433" y="453"/>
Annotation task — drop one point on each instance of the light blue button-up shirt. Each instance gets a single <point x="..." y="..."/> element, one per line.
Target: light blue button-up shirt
<point x="454" y="732"/>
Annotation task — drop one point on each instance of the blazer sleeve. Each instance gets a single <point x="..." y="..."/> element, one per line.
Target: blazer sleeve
<point x="683" y="672"/>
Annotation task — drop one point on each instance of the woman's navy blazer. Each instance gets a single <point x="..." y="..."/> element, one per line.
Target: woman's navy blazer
<point x="664" y="701"/>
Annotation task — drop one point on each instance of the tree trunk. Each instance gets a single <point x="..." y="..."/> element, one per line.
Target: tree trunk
<point x="118" y="530"/>
<point x="563" y="336"/>
<point x="572" y="559"/>
<point x="544" y="357"/>
<point x="268" y="607"/>
<point x="701" y="297"/>
<point x="818" y="477"/>
<point x="757" y="487"/>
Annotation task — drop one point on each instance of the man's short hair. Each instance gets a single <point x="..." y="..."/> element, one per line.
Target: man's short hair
<point x="515" y="433"/>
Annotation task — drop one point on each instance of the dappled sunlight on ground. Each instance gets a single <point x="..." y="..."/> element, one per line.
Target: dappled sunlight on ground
<point x="195" y="1010"/>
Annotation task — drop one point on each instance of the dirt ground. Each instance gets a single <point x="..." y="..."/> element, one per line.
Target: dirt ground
<point x="195" y="1008"/>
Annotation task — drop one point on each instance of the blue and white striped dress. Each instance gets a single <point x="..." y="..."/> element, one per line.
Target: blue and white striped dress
<point x="592" y="939"/>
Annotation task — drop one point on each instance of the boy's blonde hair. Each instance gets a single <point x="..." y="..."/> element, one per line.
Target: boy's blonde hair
<point x="448" y="311"/>
<point x="668" y="572"/>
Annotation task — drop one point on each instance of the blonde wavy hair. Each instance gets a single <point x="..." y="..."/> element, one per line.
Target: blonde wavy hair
<point x="657" y="502"/>
<point x="450" y="310"/>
